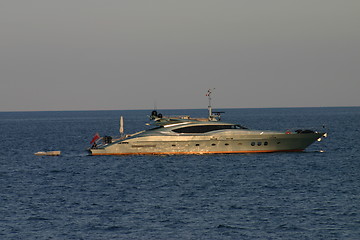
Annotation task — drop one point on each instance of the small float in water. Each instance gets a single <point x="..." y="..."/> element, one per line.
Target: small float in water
<point x="49" y="153"/>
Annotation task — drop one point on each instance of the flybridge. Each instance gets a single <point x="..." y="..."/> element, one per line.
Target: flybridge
<point x="212" y="115"/>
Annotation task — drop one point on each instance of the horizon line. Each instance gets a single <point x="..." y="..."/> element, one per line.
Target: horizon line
<point x="146" y="109"/>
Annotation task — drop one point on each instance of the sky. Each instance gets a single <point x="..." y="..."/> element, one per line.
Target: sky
<point x="141" y="54"/>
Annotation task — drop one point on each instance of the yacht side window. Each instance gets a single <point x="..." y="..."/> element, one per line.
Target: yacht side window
<point x="202" y="128"/>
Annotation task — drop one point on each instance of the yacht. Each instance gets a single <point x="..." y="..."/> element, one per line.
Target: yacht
<point x="186" y="135"/>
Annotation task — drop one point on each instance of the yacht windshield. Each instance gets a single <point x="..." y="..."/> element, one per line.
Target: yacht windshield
<point x="206" y="128"/>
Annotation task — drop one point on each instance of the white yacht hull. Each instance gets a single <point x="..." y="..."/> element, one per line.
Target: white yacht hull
<point x="258" y="142"/>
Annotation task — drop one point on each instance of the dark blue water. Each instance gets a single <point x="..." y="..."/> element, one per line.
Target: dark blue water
<point x="309" y="195"/>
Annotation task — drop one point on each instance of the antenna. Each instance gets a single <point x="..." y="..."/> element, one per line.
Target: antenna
<point x="213" y="116"/>
<point x="155" y="104"/>
<point x="121" y="130"/>
<point x="208" y="94"/>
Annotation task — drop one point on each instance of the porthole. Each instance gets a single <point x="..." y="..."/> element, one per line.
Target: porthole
<point x="197" y="144"/>
<point x="213" y="144"/>
<point x="173" y="145"/>
<point x="259" y="143"/>
<point x="252" y="143"/>
<point x="226" y="144"/>
<point x="266" y="143"/>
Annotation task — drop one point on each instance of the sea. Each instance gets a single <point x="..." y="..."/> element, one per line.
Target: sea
<point x="313" y="194"/>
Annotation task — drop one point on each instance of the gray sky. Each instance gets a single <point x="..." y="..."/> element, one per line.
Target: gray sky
<point x="130" y="54"/>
